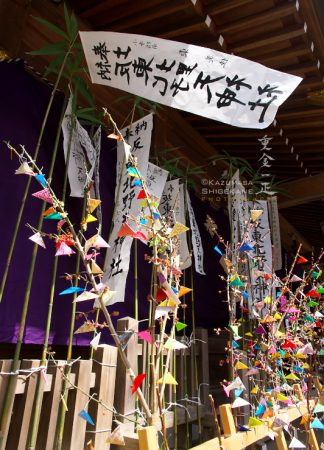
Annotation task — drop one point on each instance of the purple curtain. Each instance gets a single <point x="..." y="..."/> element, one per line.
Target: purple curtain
<point x="23" y="103"/>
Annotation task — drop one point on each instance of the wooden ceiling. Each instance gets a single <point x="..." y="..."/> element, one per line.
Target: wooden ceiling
<point x="281" y="34"/>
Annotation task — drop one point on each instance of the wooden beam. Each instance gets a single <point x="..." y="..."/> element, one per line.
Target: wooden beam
<point x="13" y="16"/>
<point x="224" y="6"/>
<point x="270" y="15"/>
<point x="186" y="29"/>
<point x="304" y="190"/>
<point x="268" y="40"/>
<point x="289" y="236"/>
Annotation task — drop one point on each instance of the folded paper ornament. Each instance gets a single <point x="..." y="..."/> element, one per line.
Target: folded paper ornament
<point x="95" y="341"/>
<point x="173" y="344"/>
<point x="95" y="269"/>
<point x="177" y="229"/>
<point x="295" y="443"/>
<point x="41" y="179"/>
<point x="116" y="437"/>
<point x="90" y="218"/>
<point x="169" y="379"/>
<point x="71" y="290"/>
<point x="145" y="335"/>
<point x="254" y="422"/>
<point x="124" y="338"/>
<point x="125" y="230"/>
<point x="137" y="382"/>
<point x="93" y="204"/>
<point x="317" y="424"/>
<point x="180" y="326"/>
<point x="86" y="295"/>
<point x="49" y="211"/>
<point x="24" y="169"/>
<point x="255" y="214"/>
<point x="64" y="249"/>
<point x="37" y="238"/>
<point x="239" y="402"/>
<point x="87" y="327"/>
<point x="85" y="416"/>
<point x="44" y="195"/>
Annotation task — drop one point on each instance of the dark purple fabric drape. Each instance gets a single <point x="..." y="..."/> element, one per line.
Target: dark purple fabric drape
<point x="23" y="101"/>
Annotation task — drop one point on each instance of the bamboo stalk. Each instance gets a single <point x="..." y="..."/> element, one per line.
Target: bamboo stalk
<point x="23" y="201"/>
<point x="39" y="392"/>
<point x="13" y="379"/>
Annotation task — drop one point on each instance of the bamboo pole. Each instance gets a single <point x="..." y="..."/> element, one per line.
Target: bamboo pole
<point x="5" y="416"/>
<point x="39" y="392"/>
<point x="37" y="148"/>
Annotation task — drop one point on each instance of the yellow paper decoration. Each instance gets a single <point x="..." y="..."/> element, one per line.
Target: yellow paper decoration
<point x="169" y="379"/>
<point x="183" y="291"/>
<point x="281" y="397"/>
<point x="93" y="204"/>
<point x="95" y="268"/>
<point x="178" y="228"/>
<point x="255" y="390"/>
<point x="90" y="218"/>
<point x="255" y="214"/>
<point x="240" y="366"/>
<point x="292" y="376"/>
<point x="277" y="316"/>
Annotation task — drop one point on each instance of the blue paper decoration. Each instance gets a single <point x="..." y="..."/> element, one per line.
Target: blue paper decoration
<point x="137" y="182"/>
<point x="245" y="247"/>
<point x="41" y="179"/>
<point x="243" y="428"/>
<point x="156" y="215"/>
<point x="85" y="416"/>
<point x="218" y="250"/>
<point x="317" y="424"/>
<point x="71" y="290"/>
<point x="260" y="410"/>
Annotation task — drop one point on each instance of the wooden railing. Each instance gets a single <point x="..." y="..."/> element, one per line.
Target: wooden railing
<point x="106" y="376"/>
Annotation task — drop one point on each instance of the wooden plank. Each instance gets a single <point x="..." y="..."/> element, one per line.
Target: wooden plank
<point x="203" y="364"/>
<point x="223" y="6"/>
<point x="239" y="441"/>
<point x="124" y="401"/>
<point x="268" y="40"/>
<point x="50" y="408"/>
<point x="4" y="380"/>
<point x="313" y="444"/>
<point x="148" y="439"/>
<point x="227" y="419"/>
<point x="104" y="366"/>
<point x="281" y="440"/>
<point x="75" y="426"/>
<point x="303" y="190"/>
<point x="23" y="407"/>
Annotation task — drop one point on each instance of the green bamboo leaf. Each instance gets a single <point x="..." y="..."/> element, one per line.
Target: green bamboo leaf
<point x="57" y="48"/>
<point x="54" y="64"/>
<point x="83" y="89"/>
<point x="74" y="26"/>
<point x="52" y="27"/>
<point x="67" y="20"/>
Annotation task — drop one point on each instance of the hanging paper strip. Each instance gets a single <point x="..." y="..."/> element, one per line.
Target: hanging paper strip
<point x="82" y="153"/>
<point x="195" y="79"/>
<point x="197" y="247"/>
<point x="117" y="257"/>
<point x="275" y="232"/>
<point x="172" y="205"/>
<point x="262" y="236"/>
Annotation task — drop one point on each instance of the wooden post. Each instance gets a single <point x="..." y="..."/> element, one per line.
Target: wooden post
<point x="104" y="366"/>
<point x="23" y="407"/>
<point x="148" y="439"/>
<point x="281" y="440"/>
<point x="50" y="408"/>
<point x="124" y="401"/>
<point x="227" y="419"/>
<point x="203" y="367"/>
<point x="313" y="444"/>
<point x="75" y="426"/>
<point x="4" y="380"/>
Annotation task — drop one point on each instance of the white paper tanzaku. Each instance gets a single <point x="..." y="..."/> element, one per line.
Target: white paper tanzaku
<point x="116" y="267"/>
<point x="196" y="79"/>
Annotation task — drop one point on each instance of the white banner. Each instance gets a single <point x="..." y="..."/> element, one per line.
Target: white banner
<point x="116" y="266"/>
<point x="262" y="254"/>
<point x="155" y="180"/>
<point x="196" y="79"/>
<point x="172" y="206"/>
<point x="82" y="152"/>
<point x="275" y="232"/>
<point x="197" y="247"/>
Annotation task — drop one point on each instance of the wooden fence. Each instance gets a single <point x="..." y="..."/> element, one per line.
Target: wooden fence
<point x="106" y="376"/>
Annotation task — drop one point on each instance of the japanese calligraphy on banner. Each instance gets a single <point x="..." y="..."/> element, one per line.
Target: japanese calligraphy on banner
<point x="116" y="267"/>
<point x="196" y="79"/>
<point x="155" y="180"/>
<point x="82" y="153"/>
<point x="197" y="247"/>
<point x="275" y="232"/>
<point x="261" y="235"/>
<point x="172" y="206"/>
<point x="238" y="210"/>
